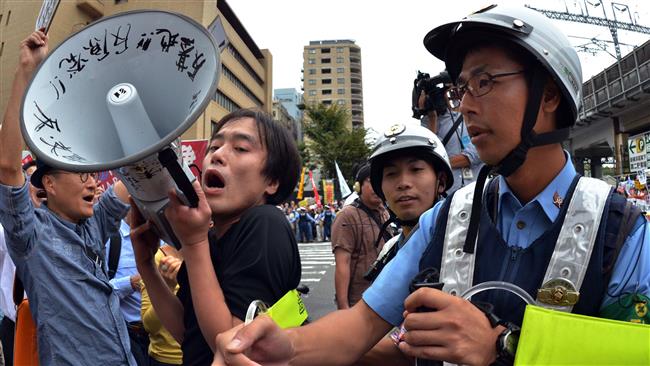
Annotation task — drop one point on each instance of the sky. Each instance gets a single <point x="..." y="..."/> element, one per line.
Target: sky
<point x="390" y="35"/>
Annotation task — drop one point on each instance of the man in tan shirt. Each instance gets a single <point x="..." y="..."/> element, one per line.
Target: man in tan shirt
<point x="354" y="240"/>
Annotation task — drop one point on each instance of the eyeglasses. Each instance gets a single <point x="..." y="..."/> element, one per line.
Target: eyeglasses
<point x="82" y="176"/>
<point x="478" y="85"/>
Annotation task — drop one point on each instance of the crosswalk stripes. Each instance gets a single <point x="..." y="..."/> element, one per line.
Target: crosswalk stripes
<point x="316" y="260"/>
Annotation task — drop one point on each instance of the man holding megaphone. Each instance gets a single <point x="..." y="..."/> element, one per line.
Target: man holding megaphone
<point x="58" y="248"/>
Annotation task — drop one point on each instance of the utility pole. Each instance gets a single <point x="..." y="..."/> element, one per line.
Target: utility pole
<point x="613" y="25"/>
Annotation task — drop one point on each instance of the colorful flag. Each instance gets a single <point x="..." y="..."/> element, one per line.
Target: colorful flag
<point x="328" y="191"/>
<point x="301" y="186"/>
<point x="313" y="187"/>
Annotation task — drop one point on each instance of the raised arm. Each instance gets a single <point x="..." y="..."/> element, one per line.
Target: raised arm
<point x="32" y="51"/>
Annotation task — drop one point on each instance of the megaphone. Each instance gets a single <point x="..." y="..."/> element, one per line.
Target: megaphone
<point x="117" y="95"/>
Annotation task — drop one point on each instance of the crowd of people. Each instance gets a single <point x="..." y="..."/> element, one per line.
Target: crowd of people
<point x="441" y="206"/>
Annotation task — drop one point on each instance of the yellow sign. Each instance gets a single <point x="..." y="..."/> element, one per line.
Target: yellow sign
<point x="289" y="311"/>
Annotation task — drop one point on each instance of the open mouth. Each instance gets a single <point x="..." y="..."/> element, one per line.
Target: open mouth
<point x="89" y="198"/>
<point x="214" y="179"/>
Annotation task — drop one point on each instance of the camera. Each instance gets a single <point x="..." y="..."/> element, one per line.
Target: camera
<point x="434" y="90"/>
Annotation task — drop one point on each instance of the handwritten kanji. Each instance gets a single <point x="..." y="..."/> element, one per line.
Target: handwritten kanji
<point x="187" y="46"/>
<point x="56" y="89"/>
<point x="75" y="62"/>
<point x="97" y="47"/>
<point x="75" y="158"/>
<point x="45" y="120"/>
<point x="121" y="41"/>
<point x="198" y="62"/>
<point x="195" y="98"/>
<point x="56" y="145"/>
<point x="168" y="39"/>
<point x="144" y="42"/>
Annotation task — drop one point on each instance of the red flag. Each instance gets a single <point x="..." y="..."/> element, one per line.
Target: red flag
<point x="313" y="186"/>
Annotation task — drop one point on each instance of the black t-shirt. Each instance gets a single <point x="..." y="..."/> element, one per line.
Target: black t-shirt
<point x="256" y="259"/>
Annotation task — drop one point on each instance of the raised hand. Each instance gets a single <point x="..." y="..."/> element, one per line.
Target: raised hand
<point x="33" y="50"/>
<point x="190" y="225"/>
<point x="145" y="241"/>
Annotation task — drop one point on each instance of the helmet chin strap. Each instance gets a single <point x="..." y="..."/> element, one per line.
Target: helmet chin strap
<point x="517" y="156"/>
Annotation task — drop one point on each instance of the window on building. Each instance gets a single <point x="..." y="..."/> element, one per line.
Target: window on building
<point x="2" y="47"/>
<point x="226" y="102"/>
<point x="312" y="93"/>
<point x="326" y="60"/>
<point x="340" y="80"/>
<point x="325" y="50"/>
<point x="327" y="102"/>
<point x="327" y="91"/>
<point x="312" y="81"/>
<point x="340" y="91"/>
<point x="311" y="61"/>
<point x="340" y="70"/>
<point x="339" y="49"/>
<point x="340" y="102"/>
<point x="339" y="60"/>
<point x="311" y="50"/>
<point x="326" y="81"/>
<point x="8" y="16"/>
<point x="326" y="71"/>
<point x="312" y="71"/>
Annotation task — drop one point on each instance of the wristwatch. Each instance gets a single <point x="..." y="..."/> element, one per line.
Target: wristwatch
<point x="507" y="344"/>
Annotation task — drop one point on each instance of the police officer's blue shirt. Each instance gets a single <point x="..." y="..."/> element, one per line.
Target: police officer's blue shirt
<point x="76" y="310"/>
<point x="519" y="226"/>
<point x="130" y="299"/>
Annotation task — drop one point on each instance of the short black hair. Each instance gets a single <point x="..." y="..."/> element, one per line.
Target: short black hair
<point x="282" y="163"/>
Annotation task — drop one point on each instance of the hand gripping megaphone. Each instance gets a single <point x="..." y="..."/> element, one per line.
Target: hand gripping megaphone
<point x="117" y="95"/>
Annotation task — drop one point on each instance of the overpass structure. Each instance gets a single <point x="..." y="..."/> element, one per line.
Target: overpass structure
<point x="614" y="121"/>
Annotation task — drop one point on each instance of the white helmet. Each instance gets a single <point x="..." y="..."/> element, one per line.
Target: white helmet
<point x="411" y="139"/>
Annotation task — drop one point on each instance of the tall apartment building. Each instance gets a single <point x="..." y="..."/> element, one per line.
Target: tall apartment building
<point x="245" y="71"/>
<point x="332" y="75"/>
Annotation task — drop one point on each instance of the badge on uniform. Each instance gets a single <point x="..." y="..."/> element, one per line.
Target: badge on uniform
<point x="558" y="292"/>
<point x="557" y="200"/>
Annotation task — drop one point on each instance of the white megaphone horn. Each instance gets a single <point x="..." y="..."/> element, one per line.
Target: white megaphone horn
<point x="117" y="95"/>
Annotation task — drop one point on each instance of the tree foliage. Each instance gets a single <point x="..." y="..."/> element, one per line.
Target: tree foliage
<point x="330" y="140"/>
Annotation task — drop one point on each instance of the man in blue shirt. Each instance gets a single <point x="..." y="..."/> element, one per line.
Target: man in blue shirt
<point x="518" y="90"/>
<point x="126" y="282"/>
<point x="58" y="248"/>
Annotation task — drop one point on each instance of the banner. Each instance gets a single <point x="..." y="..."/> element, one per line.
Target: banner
<point x="313" y="187"/>
<point x="328" y="191"/>
<point x="345" y="190"/>
<point x="301" y="185"/>
<point x="193" y="154"/>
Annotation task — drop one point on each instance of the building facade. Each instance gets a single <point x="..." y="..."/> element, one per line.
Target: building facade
<point x="282" y="115"/>
<point x="246" y="70"/>
<point x="332" y="75"/>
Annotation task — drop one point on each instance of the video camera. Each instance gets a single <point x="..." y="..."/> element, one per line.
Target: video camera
<point x="434" y="89"/>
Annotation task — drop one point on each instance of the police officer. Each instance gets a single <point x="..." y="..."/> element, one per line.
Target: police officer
<point x="537" y="224"/>
<point x="328" y="216"/>
<point x="409" y="171"/>
<point x="305" y="221"/>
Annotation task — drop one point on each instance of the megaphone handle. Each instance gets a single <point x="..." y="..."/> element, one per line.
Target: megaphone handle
<point x="169" y="160"/>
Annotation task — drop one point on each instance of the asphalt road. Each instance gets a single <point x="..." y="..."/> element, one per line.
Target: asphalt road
<point x="318" y="273"/>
